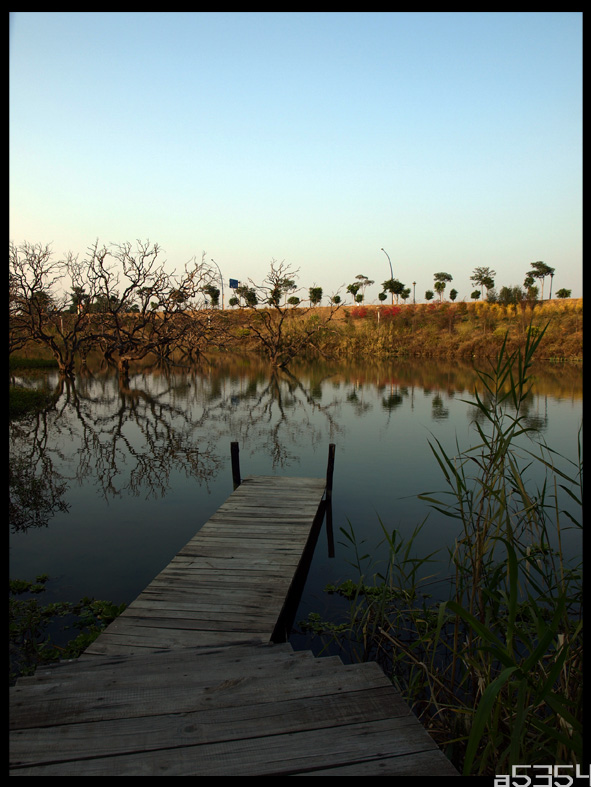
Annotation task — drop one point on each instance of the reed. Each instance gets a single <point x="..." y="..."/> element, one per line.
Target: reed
<point x="494" y="671"/>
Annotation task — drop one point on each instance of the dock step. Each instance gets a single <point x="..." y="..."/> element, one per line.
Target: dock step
<point x="237" y="711"/>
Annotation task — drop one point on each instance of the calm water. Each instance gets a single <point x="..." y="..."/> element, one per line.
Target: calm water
<point x="130" y="471"/>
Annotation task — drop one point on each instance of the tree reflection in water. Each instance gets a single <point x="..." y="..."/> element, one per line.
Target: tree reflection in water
<point x="130" y="433"/>
<point x="109" y="443"/>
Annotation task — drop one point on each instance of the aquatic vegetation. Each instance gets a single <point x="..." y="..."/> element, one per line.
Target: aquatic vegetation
<point x="30" y="644"/>
<point x="494" y="671"/>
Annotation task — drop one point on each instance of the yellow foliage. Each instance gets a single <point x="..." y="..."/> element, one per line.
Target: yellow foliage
<point x="561" y="306"/>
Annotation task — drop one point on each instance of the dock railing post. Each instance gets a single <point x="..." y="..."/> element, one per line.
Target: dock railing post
<point x="330" y="471"/>
<point x="328" y="501"/>
<point x="235" y="454"/>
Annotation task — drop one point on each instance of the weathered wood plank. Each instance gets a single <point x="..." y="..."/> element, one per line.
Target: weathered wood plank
<point x="51" y="704"/>
<point x="139" y="640"/>
<point x="275" y="755"/>
<point x="143" y="733"/>
<point x="184" y="684"/>
<point x="241" y="563"/>
<point x="215" y="660"/>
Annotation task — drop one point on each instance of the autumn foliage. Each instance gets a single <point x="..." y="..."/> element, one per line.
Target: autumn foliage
<point x="460" y="329"/>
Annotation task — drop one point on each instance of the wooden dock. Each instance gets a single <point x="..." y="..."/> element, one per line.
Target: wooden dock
<point x="196" y="678"/>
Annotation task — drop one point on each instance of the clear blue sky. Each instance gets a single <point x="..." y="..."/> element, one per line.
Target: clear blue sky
<point x="451" y="140"/>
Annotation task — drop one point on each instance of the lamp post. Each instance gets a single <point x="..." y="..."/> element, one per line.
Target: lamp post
<point x="221" y="281"/>
<point x="391" y="271"/>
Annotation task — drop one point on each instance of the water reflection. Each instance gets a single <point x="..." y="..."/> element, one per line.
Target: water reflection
<point x="35" y="493"/>
<point x="132" y="432"/>
<point x="126" y="469"/>
<point x="115" y="437"/>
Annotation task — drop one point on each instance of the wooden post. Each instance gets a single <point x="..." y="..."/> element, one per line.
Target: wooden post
<point x="330" y="471"/>
<point x="328" y="502"/>
<point x="234" y="452"/>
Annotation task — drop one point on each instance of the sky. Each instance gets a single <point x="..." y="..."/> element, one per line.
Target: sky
<point x="337" y="143"/>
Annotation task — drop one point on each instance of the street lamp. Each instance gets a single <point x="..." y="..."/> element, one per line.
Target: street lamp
<point x="391" y="271"/>
<point x="221" y="281"/>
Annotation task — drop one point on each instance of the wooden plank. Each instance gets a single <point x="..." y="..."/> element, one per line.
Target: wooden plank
<point x="181" y="683"/>
<point x="156" y="640"/>
<point x="288" y="754"/>
<point x="245" y="711"/>
<point x="85" y="700"/>
<point x="214" y="660"/>
<point x="241" y="564"/>
<point x="117" y="736"/>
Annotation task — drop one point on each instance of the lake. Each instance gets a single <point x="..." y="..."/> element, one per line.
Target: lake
<point x="126" y="471"/>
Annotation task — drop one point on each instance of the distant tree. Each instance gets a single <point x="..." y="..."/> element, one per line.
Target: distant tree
<point x="453" y="294"/>
<point x="540" y="271"/>
<point x="563" y="293"/>
<point x="484" y="278"/>
<point x="531" y="291"/>
<point x="353" y="289"/>
<point x="441" y="280"/>
<point x="475" y="295"/>
<point x="393" y="286"/>
<point x="429" y="295"/>
<point x="245" y="295"/>
<point x="213" y="293"/>
<point x="511" y="295"/>
<point x="382" y="296"/>
<point x="489" y="284"/>
<point x="315" y="295"/>
<point x="365" y="283"/>
<point x="439" y="288"/>
<point x="79" y="299"/>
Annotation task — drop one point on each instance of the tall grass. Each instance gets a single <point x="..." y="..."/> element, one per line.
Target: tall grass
<point x="495" y="670"/>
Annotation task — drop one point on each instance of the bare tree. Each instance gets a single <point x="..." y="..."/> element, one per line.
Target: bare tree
<point x="280" y="337"/>
<point x="131" y="306"/>
<point x="38" y="301"/>
<point x="147" y="310"/>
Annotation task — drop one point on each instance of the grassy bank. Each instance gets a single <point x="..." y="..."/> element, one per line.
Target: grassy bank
<point x="439" y="330"/>
<point x="463" y="330"/>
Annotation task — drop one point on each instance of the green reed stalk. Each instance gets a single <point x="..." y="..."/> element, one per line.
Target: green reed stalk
<point x="494" y="672"/>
